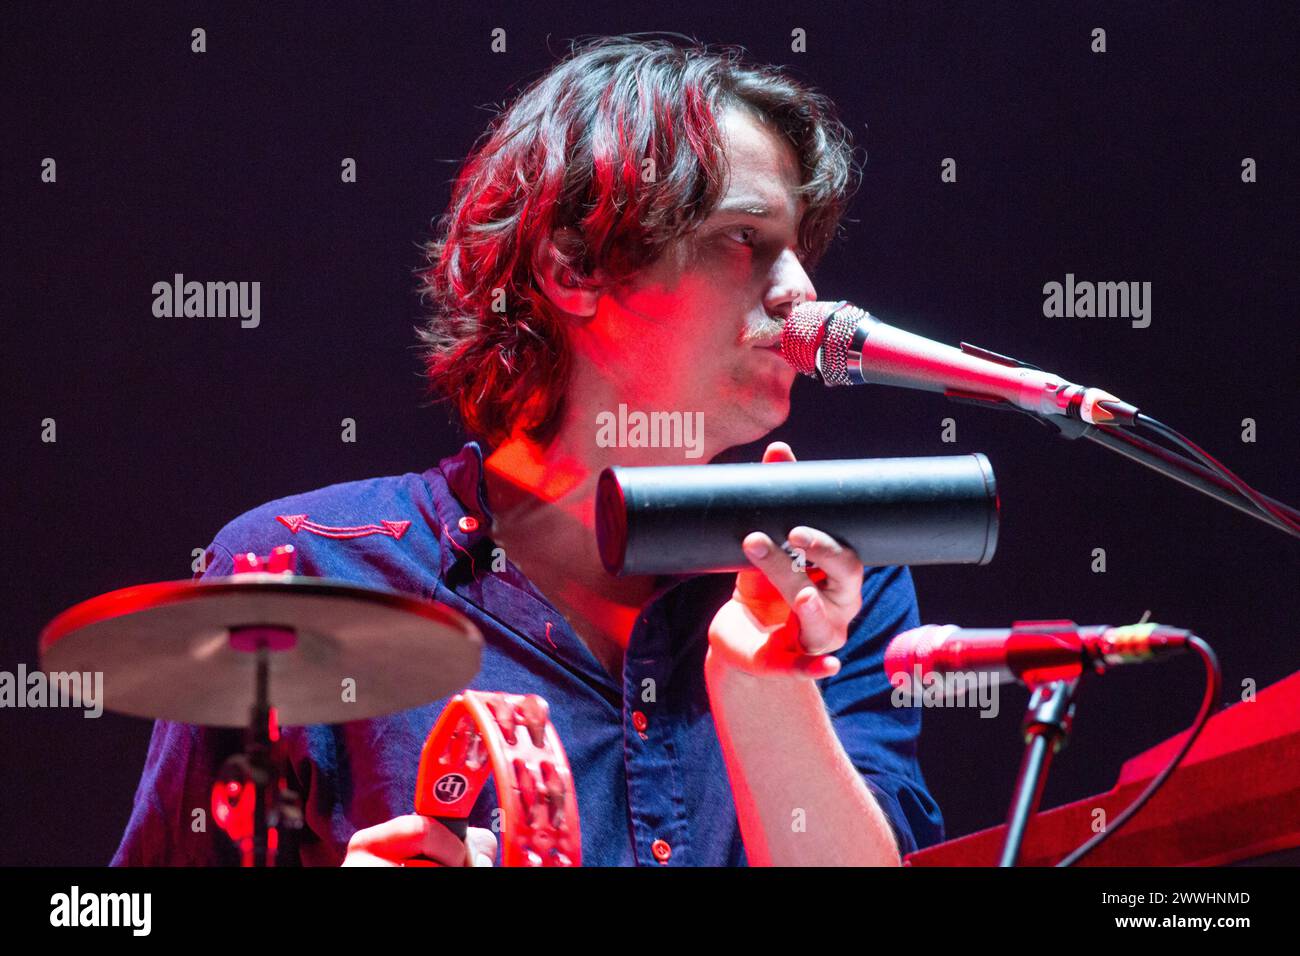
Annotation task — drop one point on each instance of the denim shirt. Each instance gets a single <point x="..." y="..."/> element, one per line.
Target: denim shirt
<point x="667" y="782"/>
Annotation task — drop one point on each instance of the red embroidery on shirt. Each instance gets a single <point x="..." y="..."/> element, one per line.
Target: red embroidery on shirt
<point x="296" y="523"/>
<point x="455" y="544"/>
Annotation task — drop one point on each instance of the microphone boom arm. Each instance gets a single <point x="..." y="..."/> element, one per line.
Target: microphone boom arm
<point x="1170" y="464"/>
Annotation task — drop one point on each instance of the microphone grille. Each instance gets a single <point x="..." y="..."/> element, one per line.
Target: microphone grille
<point x="827" y="327"/>
<point x="802" y="335"/>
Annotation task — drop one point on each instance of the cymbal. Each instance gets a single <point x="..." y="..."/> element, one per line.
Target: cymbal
<point x="166" y="652"/>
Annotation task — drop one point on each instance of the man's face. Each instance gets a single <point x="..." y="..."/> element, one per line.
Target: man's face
<point x="699" y="330"/>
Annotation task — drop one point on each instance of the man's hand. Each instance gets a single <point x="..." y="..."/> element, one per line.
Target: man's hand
<point x="780" y="747"/>
<point x="756" y="632"/>
<point x="415" y="837"/>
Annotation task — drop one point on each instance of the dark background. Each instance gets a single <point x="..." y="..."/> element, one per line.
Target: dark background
<point x="225" y="166"/>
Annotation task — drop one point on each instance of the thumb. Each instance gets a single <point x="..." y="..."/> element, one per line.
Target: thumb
<point x="778" y="451"/>
<point x="481" y="847"/>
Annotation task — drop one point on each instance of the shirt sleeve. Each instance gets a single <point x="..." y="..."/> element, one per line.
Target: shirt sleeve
<point x="879" y="738"/>
<point x="171" y="817"/>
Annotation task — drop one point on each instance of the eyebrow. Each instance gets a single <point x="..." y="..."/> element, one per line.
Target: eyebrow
<point x="751" y="207"/>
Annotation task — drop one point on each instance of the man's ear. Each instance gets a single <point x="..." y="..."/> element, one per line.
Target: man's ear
<point x="556" y="281"/>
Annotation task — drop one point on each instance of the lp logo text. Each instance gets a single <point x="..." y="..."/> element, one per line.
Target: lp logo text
<point x="450" y="788"/>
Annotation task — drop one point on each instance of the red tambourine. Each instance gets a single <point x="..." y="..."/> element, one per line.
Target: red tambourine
<point x="511" y="738"/>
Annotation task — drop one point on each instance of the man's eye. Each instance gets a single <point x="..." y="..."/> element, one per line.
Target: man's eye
<point x="744" y="235"/>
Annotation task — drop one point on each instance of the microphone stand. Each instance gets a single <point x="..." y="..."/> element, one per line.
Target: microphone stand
<point x="1190" y="473"/>
<point x="1051" y="705"/>
<point x="1125" y="442"/>
<point x="1048" y="717"/>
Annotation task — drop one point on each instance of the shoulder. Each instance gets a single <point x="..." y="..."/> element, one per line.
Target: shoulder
<point x="375" y="530"/>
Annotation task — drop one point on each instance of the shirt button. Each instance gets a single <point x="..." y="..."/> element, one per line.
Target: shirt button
<point x="639" y="721"/>
<point x="468" y="524"/>
<point x="661" y="850"/>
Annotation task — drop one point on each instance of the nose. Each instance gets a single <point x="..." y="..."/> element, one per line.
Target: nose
<point x="790" y="286"/>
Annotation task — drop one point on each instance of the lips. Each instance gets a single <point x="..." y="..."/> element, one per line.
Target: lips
<point x="774" y="350"/>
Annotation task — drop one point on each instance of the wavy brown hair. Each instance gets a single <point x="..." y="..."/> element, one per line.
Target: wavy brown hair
<point x="570" y="153"/>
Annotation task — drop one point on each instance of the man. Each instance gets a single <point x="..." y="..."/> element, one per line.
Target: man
<point x="631" y="231"/>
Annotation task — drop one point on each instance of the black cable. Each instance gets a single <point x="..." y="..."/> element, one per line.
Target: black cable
<point x="1214" y="464"/>
<point x="1213" y="682"/>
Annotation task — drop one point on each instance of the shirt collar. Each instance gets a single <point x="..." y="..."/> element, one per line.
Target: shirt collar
<point x="465" y="475"/>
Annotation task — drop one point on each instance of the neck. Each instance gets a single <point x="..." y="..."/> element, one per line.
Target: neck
<point x="543" y="504"/>
<point x="527" y="480"/>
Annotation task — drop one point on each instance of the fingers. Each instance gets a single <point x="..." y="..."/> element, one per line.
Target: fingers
<point x="842" y="580"/>
<point x="419" y="839"/>
<point x="362" y="858"/>
<point x="777" y="653"/>
<point x="821" y="584"/>
<point x="403" y="838"/>
<point x="760" y="587"/>
<point x="822" y="611"/>
<point x="785" y="654"/>
<point x="818" y="633"/>
<point x="482" y="846"/>
<point x="843" y="567"/>
<point x="840" y="563"/>
<point x="778" y="451"/>
<point x="757" y="591"/>
<point x="774" y="563"/>
<point x="817" y="666"/>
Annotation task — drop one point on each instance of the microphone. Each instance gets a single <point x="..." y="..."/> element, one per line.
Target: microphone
<point x="1030" y="652"/>
<point x="840" y="344"/>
